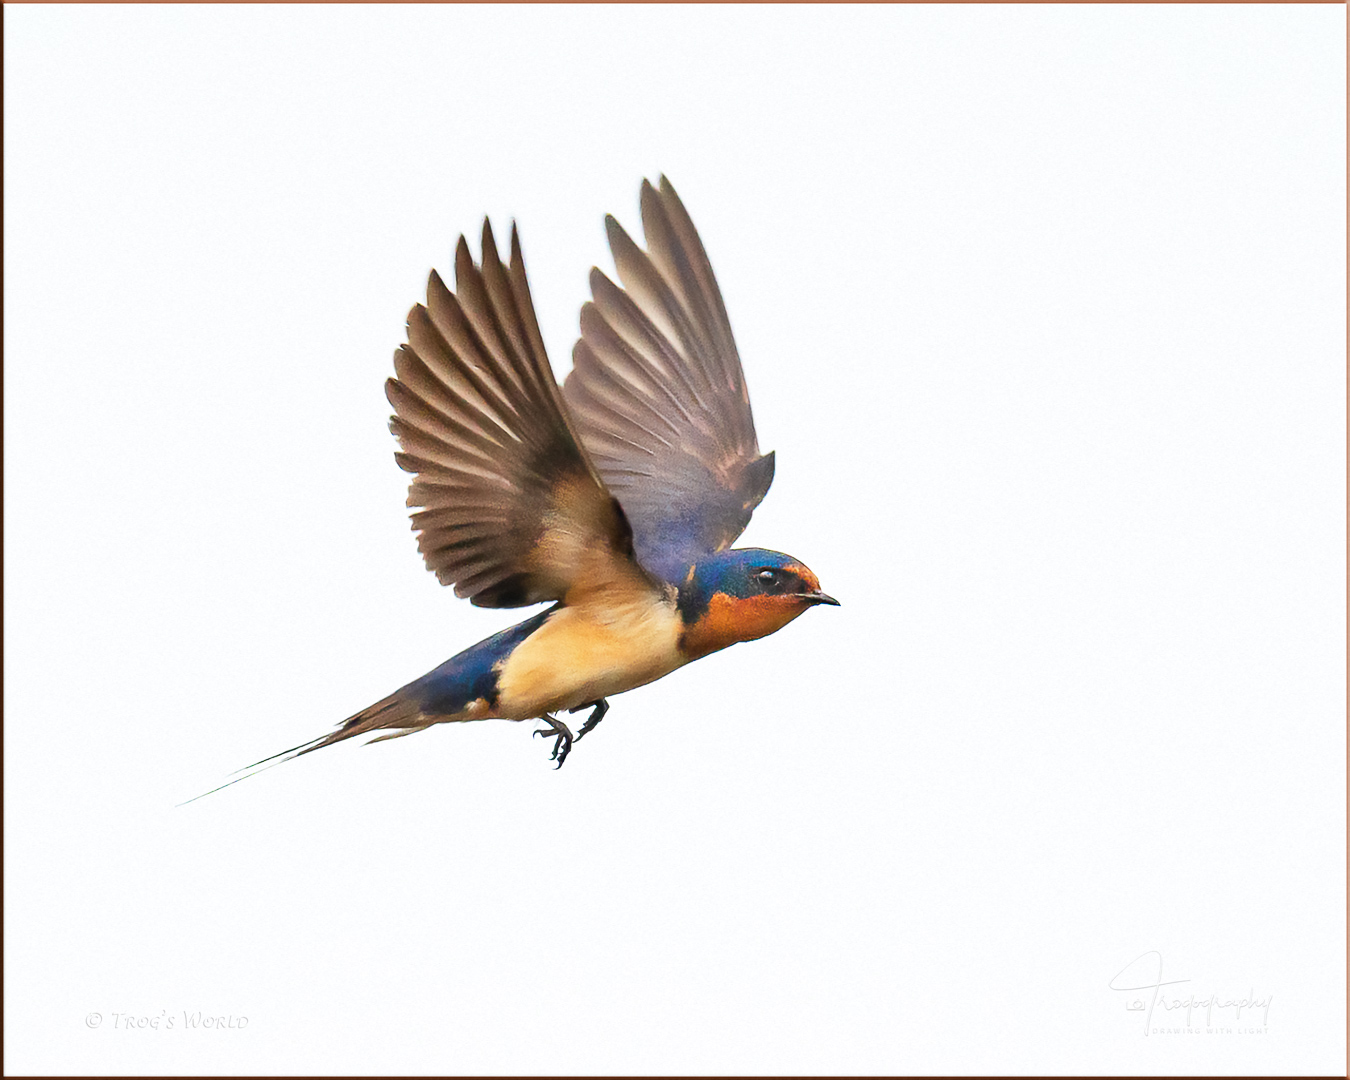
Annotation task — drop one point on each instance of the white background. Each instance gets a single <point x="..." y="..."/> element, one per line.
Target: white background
<point x="1042" y="310"/>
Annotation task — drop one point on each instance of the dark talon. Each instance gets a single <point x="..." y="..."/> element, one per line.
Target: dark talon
<point x="563" y="744"/>
<point x="600" y="708"/>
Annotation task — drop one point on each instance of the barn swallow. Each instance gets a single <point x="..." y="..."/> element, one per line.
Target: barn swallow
<point x="615" y="498"/>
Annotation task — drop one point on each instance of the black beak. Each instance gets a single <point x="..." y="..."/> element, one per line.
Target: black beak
<point x="817" y="598"/>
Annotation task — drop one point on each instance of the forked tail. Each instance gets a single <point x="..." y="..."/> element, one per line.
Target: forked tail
<point x="462" y="688"/>
<point x="397" y="711"/>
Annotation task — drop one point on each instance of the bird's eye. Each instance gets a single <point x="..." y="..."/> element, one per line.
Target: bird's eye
<point x="768" y="580"/>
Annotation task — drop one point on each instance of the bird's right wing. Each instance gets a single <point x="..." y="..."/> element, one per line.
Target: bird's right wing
<point x="659" y="396"/>
<point x="513" y="512"/>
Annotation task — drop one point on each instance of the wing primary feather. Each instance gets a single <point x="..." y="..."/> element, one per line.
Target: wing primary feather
<point x="644" y="343"/>
<point x="467" y="355"/>
<point x="417" y="378"/>
<point x="428" y="427"/>
<point x="440" y="335"/>
<point x="508" y="507"/>
<point x="669" y="258"/>
<point x="508" y="320"/>
<point x="471" y="297"/>
<point x="697" y="260"/>
<point x="520" y="289"/>
<point x="620" y="424"/>
<point x="658" y="391"/>
<point x="648" y="289"/>
<point x="608" y="351"/>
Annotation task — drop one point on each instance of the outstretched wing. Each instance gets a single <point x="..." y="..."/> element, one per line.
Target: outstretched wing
<point x="658" y="393"/>
<point x="513" y="512"/>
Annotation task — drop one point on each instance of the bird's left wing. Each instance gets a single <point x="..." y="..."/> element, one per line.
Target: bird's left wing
<point x="512" y="510"/>
<point x="659" y="396"/>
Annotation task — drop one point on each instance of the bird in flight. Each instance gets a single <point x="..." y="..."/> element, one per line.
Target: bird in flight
<point x="616" y="499"/>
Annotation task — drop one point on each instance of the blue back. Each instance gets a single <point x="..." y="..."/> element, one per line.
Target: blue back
<point x="470" y="675"/>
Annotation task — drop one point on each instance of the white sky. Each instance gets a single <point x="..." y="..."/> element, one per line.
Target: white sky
<point x="1043" y="310"/>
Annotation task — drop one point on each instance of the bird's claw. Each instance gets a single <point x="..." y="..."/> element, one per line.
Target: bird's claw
<point x="563" y="745"/>
<point x="597" y="714"/>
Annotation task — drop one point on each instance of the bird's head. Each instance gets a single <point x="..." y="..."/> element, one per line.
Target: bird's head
<point x="743" y="594"/>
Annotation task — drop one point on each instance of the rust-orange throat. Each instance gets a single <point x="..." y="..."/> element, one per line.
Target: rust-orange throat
<point x="741" y="595"/>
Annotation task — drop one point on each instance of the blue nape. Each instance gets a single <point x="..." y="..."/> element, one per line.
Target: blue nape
<point x="469" y="675"/>
<point x="730" y="572"/>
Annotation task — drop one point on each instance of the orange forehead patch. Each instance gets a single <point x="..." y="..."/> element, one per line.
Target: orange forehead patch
<point x="731" y="619"/>
<point x="809" y="579"/>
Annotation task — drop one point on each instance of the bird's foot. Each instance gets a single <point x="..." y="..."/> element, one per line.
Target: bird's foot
<point x="599" y="709"/>
<point x="563" y="745"/>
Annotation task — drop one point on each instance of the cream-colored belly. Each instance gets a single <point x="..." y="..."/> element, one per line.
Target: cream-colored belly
<point x="585" y="653"/>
